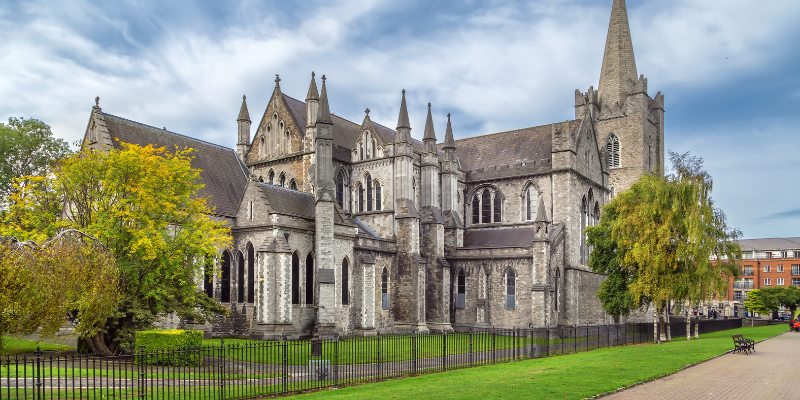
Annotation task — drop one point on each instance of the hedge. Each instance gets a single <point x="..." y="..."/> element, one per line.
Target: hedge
<point x="175" y="347"/>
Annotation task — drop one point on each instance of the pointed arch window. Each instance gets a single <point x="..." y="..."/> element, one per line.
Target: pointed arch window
<point x="374" y="154"/>
<point x="295" y="278"/>
<point x="208" y="277"/>
<point x="368" y="181"/>
<point x="555" y="288"/>
<point x="225" y="281"/>
<point x="271" y="177"/>
<point x="461" y="288"/>
<point x="309" y="279"/>
<point x="240" y="278"/>
<point x="583" y="221"/>
<point x="251" y="273"/>
<point x="476" y="210"/>
<point x="262" y="148"/>
<point x="385" y="289"/>
<point x="340" y="188"/>
<point x="378" y="205"/>
<point x="531" y="202"/>
<point x="293" y="184"/>
<point x="486" y="207"/>
<point x="360" y="193"/>
<point x="345" y="281"/>
<point x="497" y="215"/>
<point x="612" y="151"/>
<point x="510" y="279"/>
<point x="283" y="180"/>
<point x="287" y="140"/>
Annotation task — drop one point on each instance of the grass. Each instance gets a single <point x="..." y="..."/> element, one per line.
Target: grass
<point x="572" y="376"/>
<point x="13" y="345"/>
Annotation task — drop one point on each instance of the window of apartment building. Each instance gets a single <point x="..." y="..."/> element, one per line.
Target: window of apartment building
<point x="769" y="254"/>
<point x="797" y="254"/>
<point x="784" y="254"/>
<point x="795" y="281"/>
<point x="748" y="283"/>
<point x="737" y="295"/>
<point x="779" y="268"/>
<point x="778" y="281"/>
<point x="766" y="268"/>
<point x="767" y="281"/>
<point x="748" y="270"/>
<point x="747" y="255"/>
<point x="795" y="269"/>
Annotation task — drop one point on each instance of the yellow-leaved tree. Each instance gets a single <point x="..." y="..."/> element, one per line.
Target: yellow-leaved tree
<point x="142" y="204"/>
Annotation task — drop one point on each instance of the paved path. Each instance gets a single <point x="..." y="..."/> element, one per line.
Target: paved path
<point x="769" y="373"/>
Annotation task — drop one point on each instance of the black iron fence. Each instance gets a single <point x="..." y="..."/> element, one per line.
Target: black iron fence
<point x="238" y="369"/>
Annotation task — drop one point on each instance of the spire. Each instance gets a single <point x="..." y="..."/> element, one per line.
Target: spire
<point x="244" y="115"/>
<point x="429" y="132"/>
<point x="541" y="215"/>
<point x="312" y="89"/>
<point x="449" y="143"/>
<point x="324" y="113"/>
<point x="402" y="121"/>
<point x="619" y="66"/>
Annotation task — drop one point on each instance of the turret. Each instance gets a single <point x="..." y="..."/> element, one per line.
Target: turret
<point x="243" y="122"/>
<point x="312" y="102"/>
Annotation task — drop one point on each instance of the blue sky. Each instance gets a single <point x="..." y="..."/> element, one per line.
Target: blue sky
<point x="728" y="69"/>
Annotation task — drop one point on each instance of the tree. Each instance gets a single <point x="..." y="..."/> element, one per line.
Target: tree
<point x="787" y="296"/>
<point x="27" y="148"/>
<point x="661" y="236"/>
<point x="41" y="284"/>
<point x="761" y="301"/>
<point x="142" y="204"/>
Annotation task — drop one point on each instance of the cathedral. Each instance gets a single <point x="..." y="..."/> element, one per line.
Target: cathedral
<point x="355" y="228"/>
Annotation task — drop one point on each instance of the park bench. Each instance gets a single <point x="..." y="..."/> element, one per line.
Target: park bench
<point x="741" y="343"/>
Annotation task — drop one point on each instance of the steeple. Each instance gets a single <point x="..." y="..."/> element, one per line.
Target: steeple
<point x="324" y="113"/>
<point x="430" y="135"/>
<point x="449" y="142"/>
<point x="541" y="215"/>
<point x="618" y="72"/>
<point x="403" y="126"/>
<point x="244" y="115"/>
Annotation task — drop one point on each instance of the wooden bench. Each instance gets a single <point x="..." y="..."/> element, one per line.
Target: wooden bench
<point x="743" y="344"/>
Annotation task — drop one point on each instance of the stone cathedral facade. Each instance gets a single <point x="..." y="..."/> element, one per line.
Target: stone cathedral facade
<point x="354" y="228"/>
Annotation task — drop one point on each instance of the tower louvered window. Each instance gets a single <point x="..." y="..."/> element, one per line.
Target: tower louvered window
<point x="612" y="151"/>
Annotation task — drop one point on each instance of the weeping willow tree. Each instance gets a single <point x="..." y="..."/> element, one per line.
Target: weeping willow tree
<point x="663" y="242"/>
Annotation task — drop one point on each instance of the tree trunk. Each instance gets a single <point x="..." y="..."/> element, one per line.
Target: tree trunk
<point x="97" y="345"/>
<point x="656" y="333"/>
<point x="697" y="323"/>
<point x="688" y="322"/>
<point x="667" y="325"/>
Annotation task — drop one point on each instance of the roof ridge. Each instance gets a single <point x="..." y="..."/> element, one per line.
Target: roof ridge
<point x="265" y="184"/>
<point x="515" y="130"/>
<point x="168" y="131"/>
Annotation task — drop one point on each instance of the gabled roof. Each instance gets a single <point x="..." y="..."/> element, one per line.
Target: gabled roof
<point x="345" y="131"/>
<point x="787" y="243"/>
<point x="222" y="173"/>
<point x="521" y="151"/>
<point x="295" y="203"/>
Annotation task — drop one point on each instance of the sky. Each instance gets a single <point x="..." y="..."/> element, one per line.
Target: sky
<point x="728" y="70"/>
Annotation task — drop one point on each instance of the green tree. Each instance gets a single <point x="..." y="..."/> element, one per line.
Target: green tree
<point x="27" y="148"/>
<point x="787" y="296"/>
<point x="142" y="204"/>
<point x="40" y="285"/>
<point x="660" y="236"/>
<point x="761" y="301"/>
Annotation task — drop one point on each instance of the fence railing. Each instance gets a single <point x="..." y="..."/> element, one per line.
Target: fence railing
<point x="238" y="369"/>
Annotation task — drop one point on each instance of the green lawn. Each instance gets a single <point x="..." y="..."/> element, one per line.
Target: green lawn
<point x="12" y="345"/>
<point x="572" y="376"/>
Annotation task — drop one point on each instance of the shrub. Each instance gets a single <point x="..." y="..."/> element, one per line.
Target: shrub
<point x="175" y="347"/>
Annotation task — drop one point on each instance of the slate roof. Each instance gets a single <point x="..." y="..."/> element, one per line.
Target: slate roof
<point x="518" y="152"/>
<point x="499" y="238"/>
<point x="222" y="173"/>
<point x="294" y="203"/>
<point x="789" y="243"/>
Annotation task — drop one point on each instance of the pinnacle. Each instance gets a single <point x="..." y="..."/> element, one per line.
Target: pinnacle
<point x="541" y="214"/>
<point x="402" y="120"/>
<point x="313" y="94"/>
<point x="430" y="134"/>
<point x="324" y="113"/>
<point x="449" y="142"/>
<point x="244" y="114"/>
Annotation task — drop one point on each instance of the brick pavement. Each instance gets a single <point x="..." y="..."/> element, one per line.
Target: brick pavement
<point x="769" y="373"/>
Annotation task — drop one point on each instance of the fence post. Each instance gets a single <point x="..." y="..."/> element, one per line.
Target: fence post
<point x="514" y="343"/>
<point x="444" y="350"/>
<point x="221" y="368"/>
<point x="414" y="353"/>
<point x="380" y="365"/>
<point x="37" y="372"/>
<point x="336" y="361"/>
<point x="142" y="382"/>
<point x="494" y="352"/>
<point x="285" y="364"/>
<point x="471" y="354"/>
